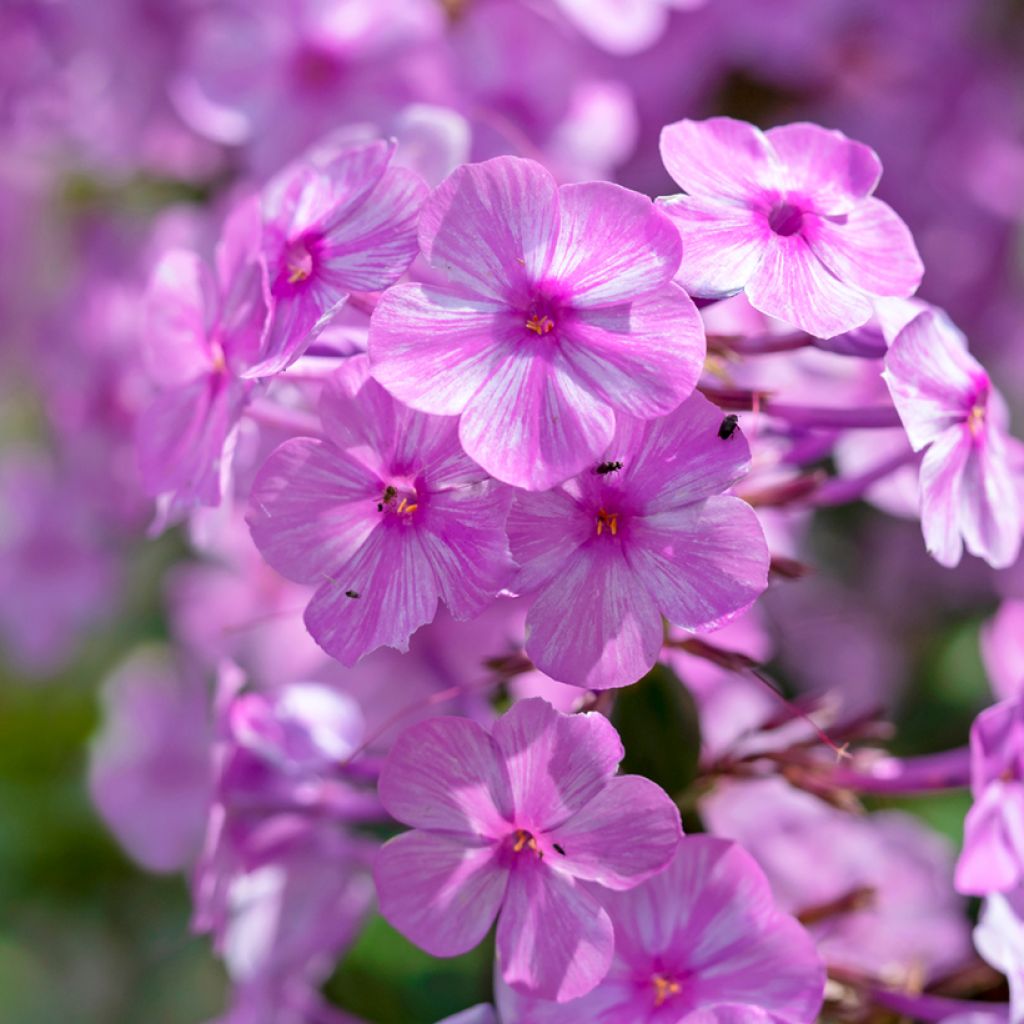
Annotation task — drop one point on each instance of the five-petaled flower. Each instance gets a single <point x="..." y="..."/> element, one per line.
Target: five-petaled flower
<point x="528" y="823"/>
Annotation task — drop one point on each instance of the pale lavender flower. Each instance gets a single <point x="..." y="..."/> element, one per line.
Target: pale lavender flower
<point x="513" y="824"/>
<point x="559" y="313"/>
<point x="788" y="217"/>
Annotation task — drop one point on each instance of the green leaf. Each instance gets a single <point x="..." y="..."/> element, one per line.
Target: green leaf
<point x="660" y="728"/>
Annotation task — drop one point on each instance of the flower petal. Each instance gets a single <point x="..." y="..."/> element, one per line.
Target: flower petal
<point x="942" y="475"/>
<point x="491" y="226"/>
<point x="554" y="939"/>
<point x="990" y="512"/>
<point x="438" y="891"/>
<point x="990" y="861"/>
<point x="311" y="509"/>
<point x="434" y="349"/>
<point x="723" y="243"/>
<point x="793" y="285"/>
<point x="627" y="833"/>
<point x="557" y="763"/>
<point x="396" y="593"/>
<point x="372" y="247"/>
<point x="447" y="774"/>
<point x="644" y="357"/>
<point x="531" y="424"/>
<point x="595" y="625"/>
<point x="702" y="564"/>
<point x="870" y="248"/>
<point x="613" y="245"/>
<point x="719" y="158"/>
<point x="834" y="172"/>
<point x="544" y="530"/>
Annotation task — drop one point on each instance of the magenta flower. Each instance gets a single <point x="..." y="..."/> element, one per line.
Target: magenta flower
<point x="948" y="406"/>
<point x="644" y="532"/>
<point x="992" y="859"/>
<point x="620" y="28"/>
<point x="204" y="331"/>
<point x="387" y="515"/>
<point x="342" y="224"/>
<point x="559" y="313"/>
<point x="999" y="938"/>
<point x="1002" y="649"/>
<point x="786" y="216"/>
<point x="700" y="943"/>
<point x="511" y="824"/>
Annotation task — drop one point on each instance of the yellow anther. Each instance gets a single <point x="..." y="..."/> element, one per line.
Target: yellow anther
<point x="976" y="420"/>
<point x="525" y="841"/>
<point x="540" y="324"/>
<point x="298" y="274"/>
<point x="664" y="989"/>
<point x="609" y="519"/>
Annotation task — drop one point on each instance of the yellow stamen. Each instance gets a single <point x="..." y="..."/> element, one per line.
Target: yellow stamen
<point x="976" y="420"/>
<point x="525" y="841"/>
<point x="409" y="509"/>
<point x="297" y="274"/>
<point x="540" y="324"/>
<point x="609" y="519"/>
<point x="664" y="989"/>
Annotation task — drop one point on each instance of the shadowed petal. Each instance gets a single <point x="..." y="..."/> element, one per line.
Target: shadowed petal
<point x="439" y="892"/>
<point x="554" y="939"/>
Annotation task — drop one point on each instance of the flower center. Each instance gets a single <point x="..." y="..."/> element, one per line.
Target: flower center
<point x="664" y="988"/>
<point x="398" y="500"/>
<point x="299" y="264"/>
<point x="540" y="324"/>
<point x="785" y="219"/>
<point x="976" y="419"/>
<point x="316" y="68"/>
<point x="607" y="520"/>
<point x="523" y="840"/>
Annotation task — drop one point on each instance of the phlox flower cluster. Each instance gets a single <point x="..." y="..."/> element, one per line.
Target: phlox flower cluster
<point x="517" y="429"/>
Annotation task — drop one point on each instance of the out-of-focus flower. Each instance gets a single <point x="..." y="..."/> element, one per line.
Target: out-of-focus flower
<point x="644" y="532"/>
<point x="560" y="313"/>
<point x="150" y="774"/>
<point x="514" y="824"/>
<point x="1002" y="648"/>
<point x="999" y="938"/>
<point x="948" y="406"/>
<point x="788" y="217"/>
<point x="387" y="514"/>
<point x="700" y="941"/>
<point x="624" y="27"/>
<point x="993" y="855"/>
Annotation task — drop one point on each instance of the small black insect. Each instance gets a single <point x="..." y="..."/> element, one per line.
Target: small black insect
<point x="558" y="849"/>
<point x="390" y="493"/>
<point x="351" y="593"/>
<point x="608" y="467"/>
<point x="728" y="427"/>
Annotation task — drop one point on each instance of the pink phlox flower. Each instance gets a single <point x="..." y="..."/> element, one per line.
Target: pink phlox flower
<point x="204" y="331"/>
<point x="992" y="859"/>
<point x="999" y="938"/>
<point x="512" y="824"/>
<point x="644" y="532"/>
<point x="702" y="942"/>
<point x="386" y="514"/>
<point x="969" y="485"/>
<point x="337" y="222"/>
<point x="788" y="217"/>
<point x="558" y="315"/>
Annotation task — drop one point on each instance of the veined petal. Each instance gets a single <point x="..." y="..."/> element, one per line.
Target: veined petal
<point x="491" y="226"/>
<point x="834" y="172"/>
<point x="719" y="158"/>
<point x="373" y="246"/>
<point x="793" y="285"/>
<point x="723" y="243"/>
<point x="544" y="530"/>
<point x="438" y="891"/>
<point x="554" y="939"/>
<point x="932" y="377"/>
<point x="556" y="763"/>
<point x="180" y="307"/>
<point x="447" y="774"/>
<point x="702" y="563"/>
<point x="990" y="513"/>
<point x="396" y="593"/>
<point x="433" y="348"/>
<point x="613" y="245"/>
<point x="942" y="475"/>
<point x="352" y="176"/>
<point x="627" y="833"/>
<point x="311" y="509"/>
<point x="643" y="357"/>
<point x="595" y="625"/>
<point x="869" y="247"/>
<point x="531" y="424"/>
